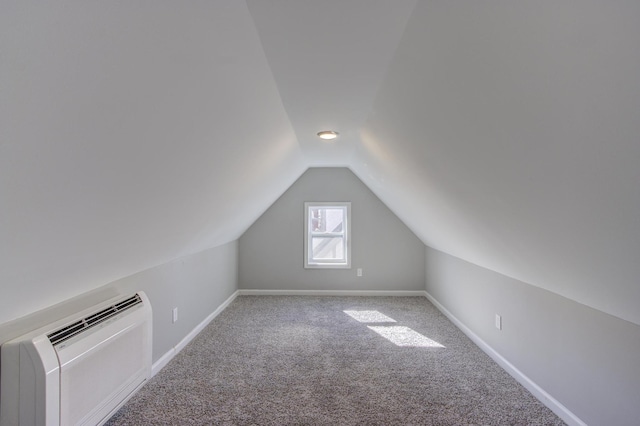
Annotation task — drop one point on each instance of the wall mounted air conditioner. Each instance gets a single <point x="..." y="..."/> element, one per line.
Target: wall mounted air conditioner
<point x="79" y="370"/>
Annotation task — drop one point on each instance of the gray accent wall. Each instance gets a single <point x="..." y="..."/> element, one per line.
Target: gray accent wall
<point x="586" y="359"/>
<point x="271" y="255"/>
<point x="196" y="284"/>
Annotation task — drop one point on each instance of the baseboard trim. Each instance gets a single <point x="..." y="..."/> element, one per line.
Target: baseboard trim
<point x="395" y="293"/>
<point x="168" y="356"/>
<point x="551" y="403"/>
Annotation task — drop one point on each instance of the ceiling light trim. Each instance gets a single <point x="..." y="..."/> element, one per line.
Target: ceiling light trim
<point x="328" y="135"/>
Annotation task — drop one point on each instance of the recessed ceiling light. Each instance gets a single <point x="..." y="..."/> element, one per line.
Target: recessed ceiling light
<point x="328" y="135"/>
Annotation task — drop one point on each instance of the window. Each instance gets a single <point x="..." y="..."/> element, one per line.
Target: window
<point x="327" y="235"/>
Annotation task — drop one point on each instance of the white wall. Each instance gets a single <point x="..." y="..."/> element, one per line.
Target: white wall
<point x="124" y="141"/>
<point x="506" y="134"/>
<point x="582" y="357"/>
<point x="271" y="250"/>
<point x="195" y="284"/>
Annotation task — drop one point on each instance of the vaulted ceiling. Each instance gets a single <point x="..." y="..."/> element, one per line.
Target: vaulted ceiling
<point x="504" y="133"/>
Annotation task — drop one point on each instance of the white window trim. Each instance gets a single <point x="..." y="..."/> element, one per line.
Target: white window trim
<point x="309" y="263"/>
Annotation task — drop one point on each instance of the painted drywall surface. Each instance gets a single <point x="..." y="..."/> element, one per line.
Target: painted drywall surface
<point x="195" y="284"/>
<point x="328" y="59"/>
<point x="132" y="134"/>
<point x="506" y="134"/>
<point x="271" y="250"/>
<point x="584" y="358"/>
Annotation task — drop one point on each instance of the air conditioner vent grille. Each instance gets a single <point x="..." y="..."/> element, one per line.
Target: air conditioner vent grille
<point x="68" y="331"/>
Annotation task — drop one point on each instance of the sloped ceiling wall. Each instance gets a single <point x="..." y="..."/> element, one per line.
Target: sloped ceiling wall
<point x="504" y="133"/>
<point x="132" y="133"/>
<point x="508" y="134"/>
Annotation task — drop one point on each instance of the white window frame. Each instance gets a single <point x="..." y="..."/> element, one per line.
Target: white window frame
<point x="310" y="263"/>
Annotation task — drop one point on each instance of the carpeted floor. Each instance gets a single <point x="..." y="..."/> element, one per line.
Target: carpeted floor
<point x="332" y="361"/>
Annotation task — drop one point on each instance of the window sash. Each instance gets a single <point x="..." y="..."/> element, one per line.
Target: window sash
<point x="337" y="247"/>
<point x="327" y="234"/>
<point x="312" y="257"/>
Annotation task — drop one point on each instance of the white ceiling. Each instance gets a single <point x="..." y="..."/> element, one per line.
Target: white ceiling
<point x="328" y="59"/>
<point x="505" y="133"/>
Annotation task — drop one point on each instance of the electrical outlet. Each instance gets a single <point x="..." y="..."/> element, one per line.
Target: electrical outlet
<point x="359" y="272"/>
<point x="498" y="322"/>
<point x="175" y="315"/>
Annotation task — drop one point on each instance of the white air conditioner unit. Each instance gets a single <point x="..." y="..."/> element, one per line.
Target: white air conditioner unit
<point x="79" y="370"/>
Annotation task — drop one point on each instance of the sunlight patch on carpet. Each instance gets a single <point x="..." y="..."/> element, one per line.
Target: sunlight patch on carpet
<point x="369" y="316"/>
<point x="405" y="336"/>
<point x="398" y="335"/>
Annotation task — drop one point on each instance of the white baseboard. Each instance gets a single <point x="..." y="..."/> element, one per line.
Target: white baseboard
<point x="168" y="356"/>
<point x="553" y="404"/>
<point x="247" y="292"/>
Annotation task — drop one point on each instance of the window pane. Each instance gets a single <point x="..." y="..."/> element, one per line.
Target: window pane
<point x="328" y="248"/>
<point x="326" y="219"/>
<point x="326" y="238"/>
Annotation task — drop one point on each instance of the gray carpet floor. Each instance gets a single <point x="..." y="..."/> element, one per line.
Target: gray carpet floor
<point x="332" y="361"/>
